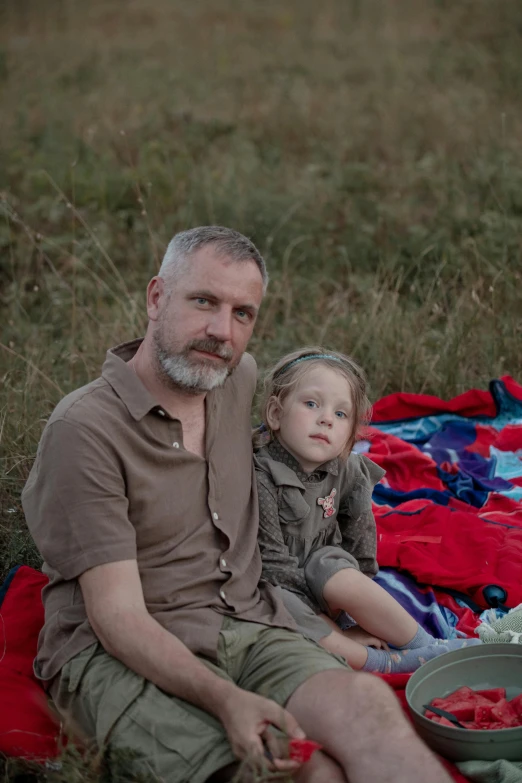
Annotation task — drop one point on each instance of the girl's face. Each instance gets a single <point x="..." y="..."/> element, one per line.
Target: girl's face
<point x="315" y="421"/>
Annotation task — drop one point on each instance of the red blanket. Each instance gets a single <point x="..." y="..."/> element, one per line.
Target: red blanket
<point x="28" y="728"/>
<point x="449" y="510"/>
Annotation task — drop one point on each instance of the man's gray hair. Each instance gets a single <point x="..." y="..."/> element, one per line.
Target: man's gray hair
<point x="226" y="242"/>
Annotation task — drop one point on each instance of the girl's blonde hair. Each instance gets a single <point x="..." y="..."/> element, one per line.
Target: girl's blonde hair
<point x="289" y="371"/>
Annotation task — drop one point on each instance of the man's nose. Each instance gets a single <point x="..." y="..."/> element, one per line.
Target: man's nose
<point x="220" y="325"/>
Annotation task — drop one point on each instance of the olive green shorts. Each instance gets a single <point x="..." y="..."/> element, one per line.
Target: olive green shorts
<point x="111" y="705"/>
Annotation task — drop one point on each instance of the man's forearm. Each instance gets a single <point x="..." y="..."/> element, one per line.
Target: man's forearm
<point x="118" y="615"/>
<point x="142" y="644"/>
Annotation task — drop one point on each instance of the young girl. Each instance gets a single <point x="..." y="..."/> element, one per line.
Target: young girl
<point x="317" y="532"/>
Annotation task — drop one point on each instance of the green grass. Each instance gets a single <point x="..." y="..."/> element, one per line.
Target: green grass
<point x="114" y="766"/>
<point x="371" y="150"/>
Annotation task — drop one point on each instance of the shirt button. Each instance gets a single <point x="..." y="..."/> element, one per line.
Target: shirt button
<point x="223" y="562"/>
<point x="215" y="515"/>
<point x="176" y="444"/>
<point x="222" y="594"/>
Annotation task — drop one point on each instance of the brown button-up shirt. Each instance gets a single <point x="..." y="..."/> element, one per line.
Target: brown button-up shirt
<point x="112" y="481"/>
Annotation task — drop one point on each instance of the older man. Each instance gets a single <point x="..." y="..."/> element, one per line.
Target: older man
<point x="142" y="502"/>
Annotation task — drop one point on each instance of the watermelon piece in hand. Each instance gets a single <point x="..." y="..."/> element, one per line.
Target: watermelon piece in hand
<point x="301" y="750"/>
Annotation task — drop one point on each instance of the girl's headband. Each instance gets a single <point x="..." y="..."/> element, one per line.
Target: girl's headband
<point x="308" y="356"/>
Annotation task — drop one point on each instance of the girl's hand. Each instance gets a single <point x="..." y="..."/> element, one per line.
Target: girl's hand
<point x="358" y="634"/>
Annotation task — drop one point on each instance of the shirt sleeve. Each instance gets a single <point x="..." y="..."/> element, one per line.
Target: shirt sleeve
<point x="356" y="520"/>
<point x="75" y="501"/>
<point x="279" y="566"/>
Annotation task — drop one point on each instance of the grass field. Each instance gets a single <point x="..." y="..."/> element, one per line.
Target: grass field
<point x="371" y="150"/>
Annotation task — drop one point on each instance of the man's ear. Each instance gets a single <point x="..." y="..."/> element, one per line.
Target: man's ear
<point x="155" y="295"/>
<point x="273" y="414"/>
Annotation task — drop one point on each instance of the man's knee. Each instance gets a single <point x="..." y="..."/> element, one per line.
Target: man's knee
<point x="375" y="697"/>
<point x="318" y="769"/>
<point x="370" y="686"/>
<point x="347" y="690"/>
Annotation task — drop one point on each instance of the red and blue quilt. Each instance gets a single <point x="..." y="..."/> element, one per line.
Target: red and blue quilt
<point x="449" y="510"/>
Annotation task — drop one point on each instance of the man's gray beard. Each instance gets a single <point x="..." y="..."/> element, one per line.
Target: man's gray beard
<point x="192" y="376"/>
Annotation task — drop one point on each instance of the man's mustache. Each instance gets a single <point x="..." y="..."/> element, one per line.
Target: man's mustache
<point x="210" y="345"/>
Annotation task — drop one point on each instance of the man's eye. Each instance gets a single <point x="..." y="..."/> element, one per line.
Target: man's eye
<point x="201" y="300"/>
<point x="242" y="315"/>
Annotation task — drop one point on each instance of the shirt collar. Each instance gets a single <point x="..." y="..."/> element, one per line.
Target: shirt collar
<point x="134" y="395"/>
<point x="125" y="382"/>
<point x="279" y="453"/>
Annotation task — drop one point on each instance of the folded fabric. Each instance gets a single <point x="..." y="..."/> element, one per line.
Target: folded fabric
<point x="507" y="629"/>
<point x="500" y="771"/>
<point x="449" y="511"/>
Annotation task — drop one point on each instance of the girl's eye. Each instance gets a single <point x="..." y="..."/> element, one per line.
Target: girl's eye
<point x="310" y="404"/>
<point x="340" y="414"/>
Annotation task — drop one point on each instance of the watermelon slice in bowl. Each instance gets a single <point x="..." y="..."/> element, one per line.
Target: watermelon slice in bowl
<point x="468" y="674"/>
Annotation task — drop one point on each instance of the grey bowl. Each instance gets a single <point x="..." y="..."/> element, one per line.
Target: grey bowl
<point x="479" y="667"/>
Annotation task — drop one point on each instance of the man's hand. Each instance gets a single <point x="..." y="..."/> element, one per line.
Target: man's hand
<point x="246" y="718"/>
<point x="358" y="634"/>
<point x="116" y="609"/>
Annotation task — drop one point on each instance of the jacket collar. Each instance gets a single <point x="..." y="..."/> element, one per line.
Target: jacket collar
<point x="286" y="470"/>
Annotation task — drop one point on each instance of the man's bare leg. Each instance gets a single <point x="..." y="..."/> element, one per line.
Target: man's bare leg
<point x="360" y="724"/>
<point x="320" y="769"/>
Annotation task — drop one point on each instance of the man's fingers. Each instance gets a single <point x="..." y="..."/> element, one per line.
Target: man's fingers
<point x="250" y="736"/>
<point x="253" y="748"/>
<point x="286" y="765"/>
<point x="285" y="721"/>
<point x="275" y="747"/>
<point x="257" y="747"/>
<point x="276" y="752"/>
